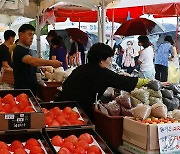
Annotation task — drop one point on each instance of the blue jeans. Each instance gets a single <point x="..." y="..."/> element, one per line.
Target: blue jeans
<point x="147" y="74"/>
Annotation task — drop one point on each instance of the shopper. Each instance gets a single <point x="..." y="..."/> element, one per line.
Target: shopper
<point x="93" y="78"/>
<point x="52" y="34"/>
<point x="164" y="53"/>
<point x="5" y="56"/>
<point x="146" y="57"/>
<point x="24" y="64"/>
<point x="59" y="51"/>
<point x="128" y="57"/>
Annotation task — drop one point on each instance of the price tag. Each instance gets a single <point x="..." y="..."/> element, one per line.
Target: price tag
<point x="169" y="138"/>
<point x="20" y="121"/>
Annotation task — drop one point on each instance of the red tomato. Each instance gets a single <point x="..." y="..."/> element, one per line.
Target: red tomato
<point x="67" y="110"/>
<point x="95" y="149"/>
<point x="4" y="151"/>
<point x="1" y="101"/>
<point x="3" y="145"/>
<point x="60" y="119"/>
<point x="83" y="144"/>
<point x="86" y="137"/>
<point x="22" y="95"/>
<point x="48" y="120"/>
<point x="20" y="151"/>
<point x="57" y="140"/>
<point x="79" y="122"/>
<point x="64" y="151"/>
<point x="15" y="144"/>
<point x="79" y="150"/>
<point x="21" y="106"/>
<point x="7" y="108"/>
<point x="32" y="142"/>
<point x="45" y="110"/>
<point x="29" y="109"/>
<point x="36" y="149"/>
<point x="15" y="110"/>
<point x="68" y="145"/>
<point x="72" y="138"/>
<point x="8" y="98"/>
<point x="56" y="111"/>
<point x="54" y="123"/>
<point x="2" y="111"/>
<point x="50" y="114"/>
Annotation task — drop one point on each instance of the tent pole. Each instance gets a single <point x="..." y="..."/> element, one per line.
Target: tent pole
<point x="38" y="31"/>
<point x="112" y="32"/>
<point x="177" y="30"/>
<point x="99" y="24"/>
<point x="103" y="15"/>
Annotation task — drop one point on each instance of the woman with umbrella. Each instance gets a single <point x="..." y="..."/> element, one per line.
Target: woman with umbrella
<point x="146" y="58"/>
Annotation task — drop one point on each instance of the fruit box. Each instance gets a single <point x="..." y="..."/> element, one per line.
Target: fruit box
<point x="137" y="150"/>
<point x="71" y="104"/>
<point x="22" y="136"/>
<point x="109" y="127"/>
<point x="141" y="135"/>
<point x="49" y="134"/>
<point x="28" y="120"/>
<point x="47" y="93"/>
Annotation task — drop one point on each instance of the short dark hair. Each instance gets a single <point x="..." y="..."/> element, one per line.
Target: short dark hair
<point x="8" y="34"/>
<point x="52" y="33"/>
<point x="26" y="27"/>
<point x="58" y="41"/>
<point x="98" y="52"/>
<point x="144" y="40"/>
<point x="169" y="39"/>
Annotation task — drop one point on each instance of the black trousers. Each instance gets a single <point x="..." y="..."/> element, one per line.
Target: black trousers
<point x="161" y="73"/>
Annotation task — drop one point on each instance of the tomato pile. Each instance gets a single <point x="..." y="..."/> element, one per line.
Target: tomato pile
<point x="17" y="147"/>
<point x="57" y="117"/>
<point x="8" y="104"/>
<point x="76" y="145"/>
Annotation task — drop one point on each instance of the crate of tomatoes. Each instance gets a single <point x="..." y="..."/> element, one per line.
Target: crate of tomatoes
<point x="65" y="114"/>
<point x="76" y="140"/>
<point x="19" y="109"/>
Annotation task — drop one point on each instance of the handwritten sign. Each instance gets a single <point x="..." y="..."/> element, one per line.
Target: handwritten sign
<point x="169" y="138"/>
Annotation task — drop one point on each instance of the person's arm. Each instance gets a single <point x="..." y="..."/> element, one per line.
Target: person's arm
<point x="40" y="62"/>
<point x="5" y="64"/>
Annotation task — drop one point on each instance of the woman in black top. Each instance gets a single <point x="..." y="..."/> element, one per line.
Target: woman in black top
<point x="94" y="77"/>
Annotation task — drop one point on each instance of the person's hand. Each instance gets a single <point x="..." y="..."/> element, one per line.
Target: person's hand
<point x="140" y="51"/>
<point x="56" y="63"/>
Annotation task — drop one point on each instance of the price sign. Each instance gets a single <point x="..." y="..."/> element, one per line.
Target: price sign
<point x="18" y="121"/>
<point x="169" y="138"/>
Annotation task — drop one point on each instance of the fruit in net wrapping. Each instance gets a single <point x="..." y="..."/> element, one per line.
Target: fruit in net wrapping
<point x="167" y="93"/>
<point x="153" y="93"/>
<point x="141" y="111"/>
<point x="176" y="114"/>
<point x="171" y="104"/>
<point x="154" y="100"/>
<point x="113" y="108"/>
<point x="141" y="94"/>
<point x="159" y="110"/>
<point x="124" y="100"/>
<point x="135" y="101"/>
<point x="155" y="85"/>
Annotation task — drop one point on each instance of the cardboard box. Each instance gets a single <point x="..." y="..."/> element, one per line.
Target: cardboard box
<point x="16" y="121"/>
<point x="23" y="136"/>
<point x="49" y="134"/>
<point x="109" y="127"/>
<point x="141" y="135"/>
<point x="71" y="104"/>
<point x="47" y="93"/>
<point x="137" y="150"/>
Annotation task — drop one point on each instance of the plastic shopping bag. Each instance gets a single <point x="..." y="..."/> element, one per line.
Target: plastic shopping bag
<point x="173" y="73"/>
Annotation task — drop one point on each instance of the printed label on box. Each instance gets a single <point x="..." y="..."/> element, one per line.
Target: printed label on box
<point x="20" y="121"/>
<point x="169" y="138"/>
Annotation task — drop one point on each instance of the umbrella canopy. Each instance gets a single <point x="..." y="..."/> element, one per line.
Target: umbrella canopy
<point x="78" y="35"/>
<point x="138" y="26"/>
